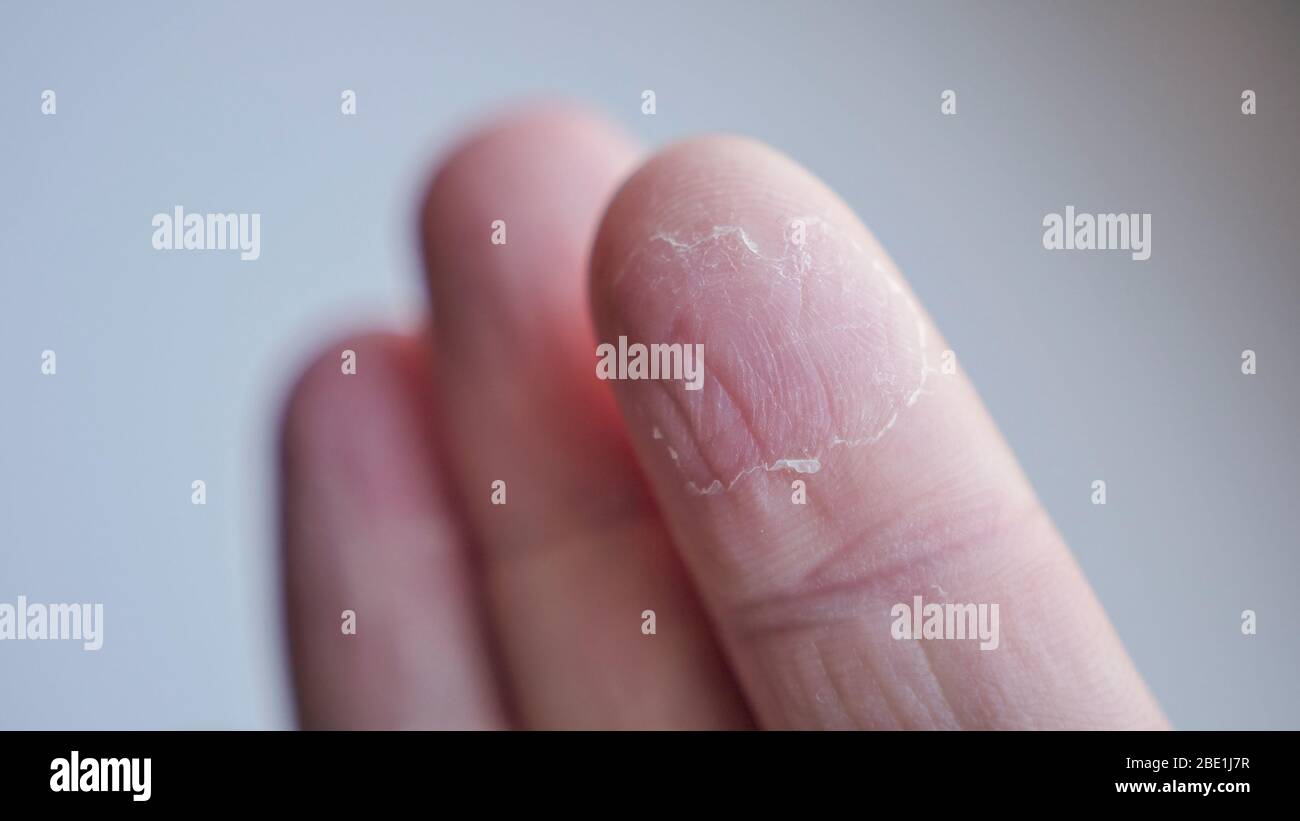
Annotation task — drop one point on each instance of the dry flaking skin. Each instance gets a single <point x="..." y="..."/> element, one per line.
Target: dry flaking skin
<point x="800" y="358"/>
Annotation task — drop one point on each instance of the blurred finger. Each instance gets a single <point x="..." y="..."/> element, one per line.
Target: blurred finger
<point x="574" y="553"/>
<point x="383" y="623"/>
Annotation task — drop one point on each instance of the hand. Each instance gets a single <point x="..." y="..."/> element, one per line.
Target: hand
<point x="822" y="376"/>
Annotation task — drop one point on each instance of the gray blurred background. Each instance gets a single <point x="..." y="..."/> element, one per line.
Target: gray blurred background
<point x="171" y="366"/>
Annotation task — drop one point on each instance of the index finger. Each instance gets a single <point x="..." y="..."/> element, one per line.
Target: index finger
<point x="832" y="491"/>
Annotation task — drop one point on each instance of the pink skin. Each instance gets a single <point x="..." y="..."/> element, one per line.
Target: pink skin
<point x="623" y="496"/>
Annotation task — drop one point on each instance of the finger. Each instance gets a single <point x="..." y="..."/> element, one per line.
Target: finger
<point x="575" y="555"/>
<point x="367" y="534"/>
<point x="820" y="367"/>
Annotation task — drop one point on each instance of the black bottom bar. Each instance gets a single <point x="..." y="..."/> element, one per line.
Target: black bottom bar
<point x="329" y="771"/>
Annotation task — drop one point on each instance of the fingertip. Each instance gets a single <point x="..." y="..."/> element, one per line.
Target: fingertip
<point x="319" y="387"/>
<point x="810" y="337"/>
<point x="508" y="218"/>
<point x="357" y="405"/>
<point x="367" y="537"/>
<point x="699" y="183"/>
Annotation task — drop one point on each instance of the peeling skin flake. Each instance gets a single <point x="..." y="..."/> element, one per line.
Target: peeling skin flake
<point x="823" y="257"/>
<point x="717" y="232"/>
<point x="797" y="465"/>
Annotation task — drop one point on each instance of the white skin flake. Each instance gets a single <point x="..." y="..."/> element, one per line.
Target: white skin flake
<point x="725" y="249"/>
